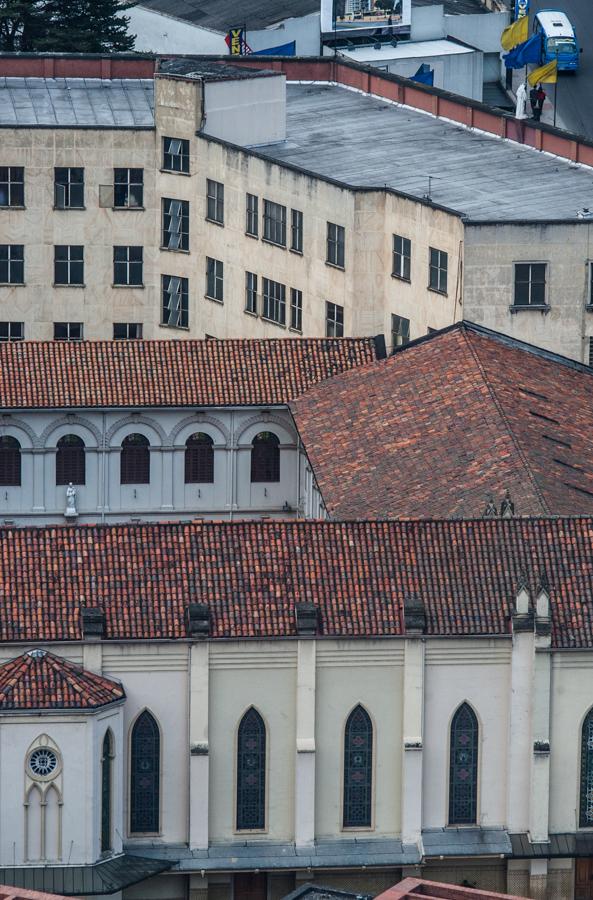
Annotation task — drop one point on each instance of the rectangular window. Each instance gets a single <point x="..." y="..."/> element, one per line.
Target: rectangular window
<point x="174" y="307"/>
<point x="12" y="264"/>
<point x="590" y="349"/>
<point x="530" y="284"/>
<point x="296" y="230"/>
<point x="274" y="301"/>
<point x="275" y="223"/>
<point x="590" y="296"/>
<point x="12" y="186"/>
<point x="215" y="206"/>
<point x="251" y="292"/>
<point x="127" y="331"/>
<point x="68" y="264"/>
<point x="334" y="320"/>
<point x="296" y="309"/>
<point x="252" y="215"/>
<point x="335" y="245"/>
<point x="68" y="331"/>
<point x="214" y="279"/>
<point x="402" y="257"/>
<point x="175" y="155"/>
<point x="437" y="270"/>
<point x="175" y="224"/>
<point x="400" y="331"/>
<point x="12" y="331"/>
<point x="128" y="188"/>
<point x="127" y="266"/>
<point x="69" y="188"/>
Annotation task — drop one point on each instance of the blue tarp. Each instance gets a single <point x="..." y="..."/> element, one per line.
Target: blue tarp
<point x="282" y="50"/>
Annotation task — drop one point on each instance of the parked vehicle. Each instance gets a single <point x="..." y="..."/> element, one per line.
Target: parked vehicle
<point x="559" y="40"/>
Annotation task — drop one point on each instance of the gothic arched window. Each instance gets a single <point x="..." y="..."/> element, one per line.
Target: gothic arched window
<point x="199" y="459"/>
<point x="251" y="772"/>
<point x="265" y="457"/>
<point x="135" y="460"/>
<point x="358" y="769"/>
<point x="586" y="795"/>
<point x="106" y="791"/>
<point x="70" y="461"/>
<point x="10" y="461"/>
<point x="463" y="767"/>
<point x="145" y="768"/>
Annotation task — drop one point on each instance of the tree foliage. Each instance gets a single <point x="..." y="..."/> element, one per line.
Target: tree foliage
<point x="64" y="26"/>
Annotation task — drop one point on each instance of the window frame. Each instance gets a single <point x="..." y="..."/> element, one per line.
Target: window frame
<point x="454" y="819"/>
<point x="274" y="301"/>
<point x="403" y="271"/>
<point x="168" y="217"/>
<point x="274" y="223"/>
<point x="14" y="185"/>
<point x="296" y="231"/>
<point x="70" y="187"/>
<point x="157" y="793"/>
<point x="405" y="337"/>
<point x="214" y="201"/>
<point x="214" y="279"/>
<point x="127" y="265"/>
<point x="133" y="467"/>
<point x="530" y="282"/>
<point x="11" y="263"/>
<point x="347" y="823"/>
<point x="70" y="465"/>
<point x="266" y="471"/>
<point x="9" y="337"/>
<point x="127" y="336"/>
<point x="130" y="187"/>
<point x="438" y="269"/>
<point x="193" y="467"/>
<point x="69" y="326"/>
<point x="183" y="156"/>
<point x="69" y="264"/>
<point x="296" y="310"/>
<point x="106" y="819"/>
<point x="174" y="316"/>
<point x="251" y="285"/>
<point x="336" y="246"/>
<point x="252" y="215"/>
<point x="332" y="323"/>
<point x="11" y="472"/>
<point x="262" y="787"/>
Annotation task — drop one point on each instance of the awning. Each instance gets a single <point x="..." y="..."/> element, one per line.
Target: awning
<point x="105" y="877"/>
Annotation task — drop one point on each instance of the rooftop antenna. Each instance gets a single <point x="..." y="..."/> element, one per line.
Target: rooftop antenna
<point x="428" y="196"/>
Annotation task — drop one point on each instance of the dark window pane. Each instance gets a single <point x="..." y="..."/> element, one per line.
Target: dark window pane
<point x="358" y="769"/>
<point x="463" y="767"/>
<point x="265" y="458"/>
<point x="251" y="772"/>
<point x="586" y="787"/>
<point x="70" y="460"/>
<point x="127" y="331"/>
<point x="106" y="791"/>
<point x="145" y="765"/>
<point x="199" y="459"/>
<point x="175" y="154"/>
<point x="10" y="461"/>
<point x="135" y="460"/>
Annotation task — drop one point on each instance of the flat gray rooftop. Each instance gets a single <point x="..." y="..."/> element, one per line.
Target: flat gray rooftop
<point x="76" y="102"/>
<point x="364" y="141"/>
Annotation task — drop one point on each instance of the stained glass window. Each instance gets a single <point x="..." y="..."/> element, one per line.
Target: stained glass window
<point x="251" y="772"/>
<point x="586" y="804"/>
<point x="106" y="764"/>
<point x="358" y="769"/>
<point x="145" y="775"/>
<point x="463" y="767"/>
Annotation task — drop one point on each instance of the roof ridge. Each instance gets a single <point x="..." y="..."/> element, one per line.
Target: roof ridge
<point x="465" y="333"/>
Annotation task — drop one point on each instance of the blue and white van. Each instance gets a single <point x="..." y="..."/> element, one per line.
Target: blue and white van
<point x="559" y="40"/>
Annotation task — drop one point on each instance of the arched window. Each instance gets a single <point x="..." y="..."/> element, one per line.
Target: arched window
<point x="265" y="457"/>
<point x="586" y="801"/>
<point x="106" y="791"/>
<point x="145" y="774"/>
<point x="463" y="767"/>
<point x="10" y="461"/>
<point x="251" y="772"/>
<point x="135" y="460"/>
<point x="199" y="459"/>
<point x="70" y="462"/>
<point x="358" y="769"/>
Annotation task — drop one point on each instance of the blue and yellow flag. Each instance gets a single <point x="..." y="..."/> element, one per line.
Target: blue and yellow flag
<point x="547" y="74"/>
<point x="515" y="33"/>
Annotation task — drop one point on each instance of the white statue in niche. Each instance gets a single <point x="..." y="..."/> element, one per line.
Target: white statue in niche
<point x="70" y="510"/>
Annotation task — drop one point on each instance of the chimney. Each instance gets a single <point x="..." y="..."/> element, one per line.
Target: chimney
<point x="414" y="615"/>
<point x="197" y="620"/>
<point x="93" y="623"/>
<point x="306" y="618"/>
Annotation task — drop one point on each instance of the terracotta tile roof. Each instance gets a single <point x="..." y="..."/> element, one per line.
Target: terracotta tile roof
<point x="251" y="575"/>
<point x="62" y="374"/>
<point x="40" y="680"/>
<point x="448" y="420"/>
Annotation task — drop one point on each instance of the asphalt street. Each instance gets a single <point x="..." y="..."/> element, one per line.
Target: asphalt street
<point x="575" y="92"/>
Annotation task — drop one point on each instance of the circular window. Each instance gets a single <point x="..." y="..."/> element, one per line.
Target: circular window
<point x="43" y="762"/>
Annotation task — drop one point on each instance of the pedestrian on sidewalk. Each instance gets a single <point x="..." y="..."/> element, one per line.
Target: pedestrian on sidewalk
<point x="537" y="97"/>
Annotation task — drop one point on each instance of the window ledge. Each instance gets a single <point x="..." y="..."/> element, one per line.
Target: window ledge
<point x="128" y="208"/>
<point x="295" y="330"/>
<point x="250" y="312"/>
<point x="530" y="307"/>
<point x="214" y="222"/>
<point x="13" y="283"/>
<point x="335" y="266"/>
<point x="13" y="207"/>
<point x="67" y="208"/>
<point x="589" y="307"/>
<point x="173" y="249"/>
<point x="175" y="172"/>
<point x="58" y="284"/>
<point x="214" y="299"/>
<point x="296" y="252"/>
<point x="437" y="291"/>
<point x="254" y="236"/>
<point x="164" y="325"/>
<point x="273" y="243"/>
<point x="402" y="278"/>
<point x="273" y="322"/>
<point x="128" y="286"/>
